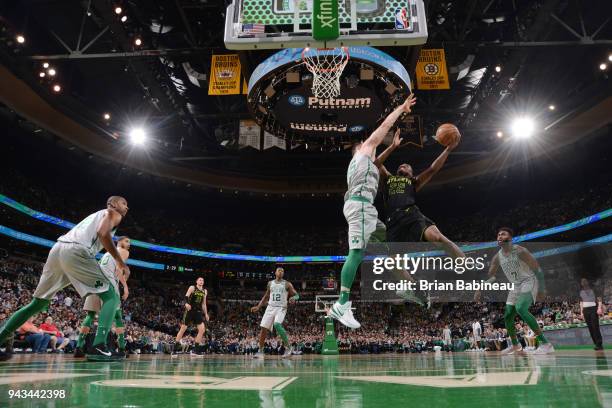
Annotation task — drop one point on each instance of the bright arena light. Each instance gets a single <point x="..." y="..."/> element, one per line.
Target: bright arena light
<point x="500" y="134"/>
<point x="41" y="74"/>
<point x="610" y="57"/>
<point x="20" y="39"/>
<point x="123" y="19"/>
<point x="45" y="65"/>
<point x="497" y="68"/>
<point x="551" y="107"/>
<point x="138" y="136"/>
<point x="603" y="66"/>
<point x="118" y="10"/>
<point x="57" y="88"/>
<point x="51" y="72"/>
<point x="107" y="116"/>
<point x="138" y="41"/>
<point x="523" y="127"/>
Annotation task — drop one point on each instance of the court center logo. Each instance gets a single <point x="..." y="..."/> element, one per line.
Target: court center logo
<point x="297" y="100"/>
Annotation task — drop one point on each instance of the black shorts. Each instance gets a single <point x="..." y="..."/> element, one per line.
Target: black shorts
<point x="407" y="225"/>
<point x="193" y="317"/>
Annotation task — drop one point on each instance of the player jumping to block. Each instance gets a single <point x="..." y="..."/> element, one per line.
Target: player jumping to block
<point x="361" y="215"/>
<point x="521" y="269"/>
<point x="277" y="293"/>
<point x="195" y="304"/>
<point x="93" y="304"/>
<point x="72" y="261"/>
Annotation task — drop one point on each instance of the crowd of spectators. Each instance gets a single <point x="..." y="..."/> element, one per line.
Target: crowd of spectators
<point x="152" y="315"/>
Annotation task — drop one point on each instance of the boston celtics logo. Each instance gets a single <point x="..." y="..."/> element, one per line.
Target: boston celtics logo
<point x="98" y="284"/>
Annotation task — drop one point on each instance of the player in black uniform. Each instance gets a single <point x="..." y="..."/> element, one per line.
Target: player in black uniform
<point x="404" y="220"/>
<point x="194" y="306"/>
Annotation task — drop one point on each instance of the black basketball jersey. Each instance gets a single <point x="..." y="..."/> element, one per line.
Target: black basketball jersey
<point x="197" y="297"/>
<point x="399" y="193"/>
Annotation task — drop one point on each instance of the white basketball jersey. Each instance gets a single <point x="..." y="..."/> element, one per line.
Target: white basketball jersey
<point x="362" y="178"/>
<point x="86" y="233"/>
<point x="513" y="266"/>
<point x="278" y="293"/>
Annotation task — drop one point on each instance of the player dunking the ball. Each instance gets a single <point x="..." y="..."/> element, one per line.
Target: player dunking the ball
<point x="521" y="269"/>
<point x="279" y="292"/>
<point x="361" y="215"/>
<point x="93" y="304"/>
<point x="72" y="261"/>
<point x="195" y="304"/>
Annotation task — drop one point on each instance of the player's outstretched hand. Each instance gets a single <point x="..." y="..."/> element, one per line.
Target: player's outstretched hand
<point x="397" y="140"/>
<point x="409" y="103"/>
<point x="126" y="293"/>
<point x="255" y="309"/>
<point x="187" y="306"/>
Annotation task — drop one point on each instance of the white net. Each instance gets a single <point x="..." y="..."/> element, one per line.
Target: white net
<point x="326" y="66"/>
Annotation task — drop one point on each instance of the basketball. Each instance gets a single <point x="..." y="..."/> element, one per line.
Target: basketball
<point x="447" y="134"/>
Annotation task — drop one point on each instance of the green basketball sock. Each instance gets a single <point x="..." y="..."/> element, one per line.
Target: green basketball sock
<point x="349" y="270"/>
<point x="110" y="300"/>
<point x="522" y="307"/>
<point x="119" y="324"/>
<point x="87" y="322"/>
<point x="282" y="333"/>
<point x="541" y="339"/>
<point x="21" y="316"/>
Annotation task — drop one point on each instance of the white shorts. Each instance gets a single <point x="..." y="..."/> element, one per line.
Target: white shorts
<point x="477" y="337"/>
<point x="362" y="219"/>
<point x="92" y="303"/>
<point x="273" y="314"/>
<point x="71" y="264"/>
<point x="529" y="285"/>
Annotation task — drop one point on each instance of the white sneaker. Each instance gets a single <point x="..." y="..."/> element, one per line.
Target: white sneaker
<point x="288" y="352"/>
<point x="512" y="350"/>
<point x="259" y="355"/>
<point x="545" y="348"/>
<point x="344" y="315"/>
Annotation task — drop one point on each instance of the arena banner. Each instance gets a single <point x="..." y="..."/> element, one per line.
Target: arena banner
<point x="225" y="78"/>
<point x="431" y="70"/>
<point x="249" y="134"/>
<point x="421" y="272"/>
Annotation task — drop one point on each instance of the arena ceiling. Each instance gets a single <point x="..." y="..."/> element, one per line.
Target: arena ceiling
<point x="548" y="53"/>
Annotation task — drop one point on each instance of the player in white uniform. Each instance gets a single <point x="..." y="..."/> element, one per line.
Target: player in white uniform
<point x="521" y="269"/>
<point x="93" y="304"/>
<point x="278" y="293"/>
<point x="362" y="178"/>
<point x="72" y="261"/>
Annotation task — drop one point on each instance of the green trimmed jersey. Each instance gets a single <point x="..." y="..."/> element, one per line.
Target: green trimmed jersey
<point x="278" y="293"/>
<point x="85" y="233"/>
<point x="362" y="178"/>
<point x="196" y="298"/>
<point x="513" y="266"/>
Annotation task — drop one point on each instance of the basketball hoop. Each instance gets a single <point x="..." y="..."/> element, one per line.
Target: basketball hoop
<point x="326" y="66"/>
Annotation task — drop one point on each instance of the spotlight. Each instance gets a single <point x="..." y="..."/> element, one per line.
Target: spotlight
<point x="500" y="134"/>
<point x="603" y="66"/>
<point x="107" y="116"/>
<point x="57" y="88"/>
<point x="552" y="107"/>
<point x="20" y="39"/>
<point x="51" y="72"/>
<point x="118" y="10"/>
<point x="610" y="57"/>
<point x="123" y="19"/>
<point x="523" y="127"/>
<point x="45" y="65"/>
<point x="41" y="74"/>
<point x="497" y="68"/>
<point x="138" y="136"/>
<point x="138" y="41"/>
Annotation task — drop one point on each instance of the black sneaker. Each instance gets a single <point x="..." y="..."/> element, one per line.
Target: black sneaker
<point x="101" y="353"/>
<point x="5" y="356"/>
<point x="121" y="353"/>
<point x="199" y="350"/>
<point x="79" y="353"/>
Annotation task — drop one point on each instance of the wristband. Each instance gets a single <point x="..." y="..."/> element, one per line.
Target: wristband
<point x="296" y="296"/>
